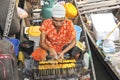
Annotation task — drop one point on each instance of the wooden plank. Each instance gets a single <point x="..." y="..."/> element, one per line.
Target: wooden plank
<point x="89" y="1"/>
<point x="98" y="4"/>
<point x="100" y="9"/>
<point x="94" y="1"/>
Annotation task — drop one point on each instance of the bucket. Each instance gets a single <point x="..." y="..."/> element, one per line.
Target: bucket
<point x="36" y="40"/>
<point x="71" y="10"/>
<point x="78" y="30"/>
<point x="27" y="46"/>
<point x="16" y="43"/>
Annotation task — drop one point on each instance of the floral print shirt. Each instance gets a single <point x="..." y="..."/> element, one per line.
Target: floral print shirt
<point x="57" y="40"/>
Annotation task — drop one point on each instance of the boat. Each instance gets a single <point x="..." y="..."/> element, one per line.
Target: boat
<point x="46" y="69"/>
<point x="97" y="12"/>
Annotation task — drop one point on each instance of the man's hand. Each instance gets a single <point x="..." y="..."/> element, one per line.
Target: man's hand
<point x="61" y="56"/>
<point x="53" y="54"/>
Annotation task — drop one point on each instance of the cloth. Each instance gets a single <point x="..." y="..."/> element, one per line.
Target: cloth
<point x="58" y="10"/>
<point x="22" y="13"/>
<point x="39" y="54"/>
<point x="57" y="40"/>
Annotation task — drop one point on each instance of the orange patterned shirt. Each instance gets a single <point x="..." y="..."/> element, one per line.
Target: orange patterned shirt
<point x="55" y="39"/>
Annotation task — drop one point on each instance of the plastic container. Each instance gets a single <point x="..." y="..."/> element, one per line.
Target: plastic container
<point x="108" y="46"/>
<point x="16" y="43"/>
<point x="71" y="10"/>
<point x="86" y="60"/>
<point x="49" y="3"/>
<point x="47" y="8"/>
<point x="27" y="46"/>
<point x="46" y="13"/>
<point x="78" y="30"/>
<point x="36" y="39"/>
<point x="34" y="31"/>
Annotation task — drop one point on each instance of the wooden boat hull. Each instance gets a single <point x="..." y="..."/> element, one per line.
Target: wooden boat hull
<point x="89" y="7"/>
<point x="101" y="66"/>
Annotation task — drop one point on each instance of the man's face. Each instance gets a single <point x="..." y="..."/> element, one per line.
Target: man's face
<point x="58" y="22"/>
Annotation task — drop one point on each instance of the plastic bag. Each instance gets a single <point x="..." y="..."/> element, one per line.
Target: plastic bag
<point x="39" y="54"/>
<point x="108" y="46"/>
<point x="22" y="13"/>
<point x="27" y="70"/>
<point x="29" y="64"/>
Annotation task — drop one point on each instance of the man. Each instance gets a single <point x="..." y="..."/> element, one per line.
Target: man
<point x="58" y="35"/>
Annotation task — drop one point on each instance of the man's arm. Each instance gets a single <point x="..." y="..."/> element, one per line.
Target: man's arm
<point x="70" y="46"/>
<point x="42" y="42"/>
<point x="46" y="47"/>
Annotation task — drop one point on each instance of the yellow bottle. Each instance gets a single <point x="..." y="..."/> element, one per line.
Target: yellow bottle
<point x="21" y="57"/>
